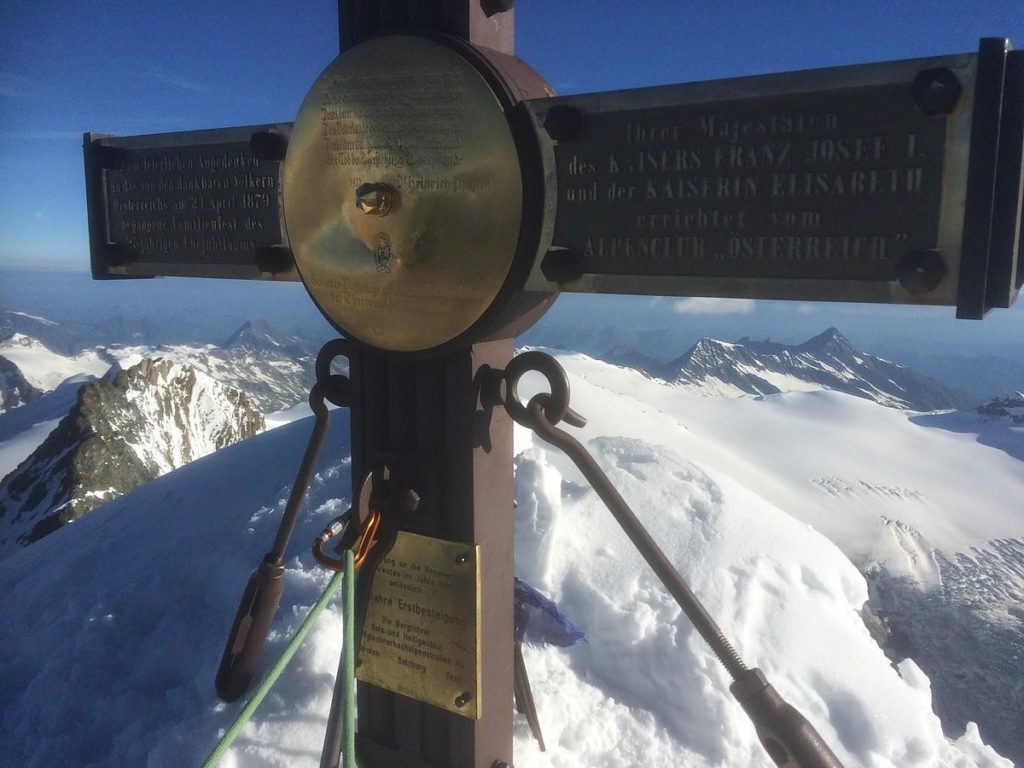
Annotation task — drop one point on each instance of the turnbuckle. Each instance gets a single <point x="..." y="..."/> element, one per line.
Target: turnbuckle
<point x="263" y="590"/>
<point x="790" y="740"/>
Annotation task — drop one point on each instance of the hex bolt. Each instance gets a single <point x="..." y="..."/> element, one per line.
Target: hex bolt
<point x="376" y="199"/>
<point x="491" y="7"/>
<point x="462" y="699"/>
<point x="274" y="259"/>
<point x="936" y="91"/>
<point x="563" y="123"/>
<point x="111" y="158"/>
<point x="410" y="500"/>
<point x="120" y="254"/>
<point x="268" y="145"/>
<point x="561" y="265"/>
<point x="461" y="559"/>
<point x="921" y="271"/>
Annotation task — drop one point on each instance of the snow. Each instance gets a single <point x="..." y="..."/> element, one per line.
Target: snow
<point x="38" y="319"/>
<point x="44" y="369"/>
<point x="20" y="447"/>
<point x="24" y="429"/>
<point x="839" y="462"/>
<point x="111" y="629"/>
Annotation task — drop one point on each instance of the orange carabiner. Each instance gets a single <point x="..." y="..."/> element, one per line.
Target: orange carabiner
<point x="367" y="538"/>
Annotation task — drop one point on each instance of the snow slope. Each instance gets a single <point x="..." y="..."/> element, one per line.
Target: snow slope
<point x="111" y="628"/>
<point x="24" y="429"/>
<point x="45" y="369"/>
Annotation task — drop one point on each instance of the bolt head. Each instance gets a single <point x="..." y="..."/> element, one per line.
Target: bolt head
<point x="410" y="500"/>
<point x="268" y="145"/>
<point x="375" y="199"/>
<point x="563" y="123"/>
<point x="936" y="91"/>
<point x="921" y="271"/>
<point x="462" y="699"/>
<point x="491" y="7"/>
<point x="561" y="265"/>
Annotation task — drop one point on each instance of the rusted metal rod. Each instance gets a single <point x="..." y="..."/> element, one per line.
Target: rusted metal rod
<point x="642" y="540"/>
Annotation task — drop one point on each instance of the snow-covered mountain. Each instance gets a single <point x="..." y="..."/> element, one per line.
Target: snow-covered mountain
<point x="827" y="361"/>
<point x="274" y="369"/>
<point x="1009" y="407"/>
<point x="44" y="368"/>
<point x="15" y="389"/>
<point x="730" y="488"/>
<point x="123" y="430"/>
<point x="54" y="336"/>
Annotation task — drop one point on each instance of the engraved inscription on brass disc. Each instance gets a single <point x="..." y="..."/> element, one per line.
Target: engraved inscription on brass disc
<point x="422" y="633"/>
<point x="411" y="117"/>
<point x="802" y="185"/>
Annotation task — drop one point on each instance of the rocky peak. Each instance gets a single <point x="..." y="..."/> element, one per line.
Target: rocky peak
<point x="124" y="430"/>
<point x="830" y="341"/>
<point x="826" y="361"/>
<point x="1009" y="407"/>
<point x="15" y="390"/>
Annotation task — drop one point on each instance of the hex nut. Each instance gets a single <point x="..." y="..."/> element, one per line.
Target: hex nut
<point x="936" y="91"/>
<point x="561" y="265"/>
<point x="563" y="123"/>
<point x="921" y="271"/>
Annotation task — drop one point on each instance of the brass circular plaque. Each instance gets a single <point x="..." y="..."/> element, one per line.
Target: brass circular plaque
<point x="402" y="193"/>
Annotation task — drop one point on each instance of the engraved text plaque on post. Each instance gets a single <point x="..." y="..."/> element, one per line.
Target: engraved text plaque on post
<point x="422" y="632"/>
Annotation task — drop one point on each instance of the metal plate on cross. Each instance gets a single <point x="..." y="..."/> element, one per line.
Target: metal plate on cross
<point x="431" y="199"/>
<point x="895" y="182"/>
<point x="422" y="630"/>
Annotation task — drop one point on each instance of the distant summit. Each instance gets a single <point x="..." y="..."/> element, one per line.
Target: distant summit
<point x="826" y="361"/>
<point x="1008" y="407"/>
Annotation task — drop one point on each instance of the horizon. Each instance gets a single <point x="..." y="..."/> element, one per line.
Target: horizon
<point x="196" y="65"/>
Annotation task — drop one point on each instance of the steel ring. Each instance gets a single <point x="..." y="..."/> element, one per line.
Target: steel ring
<point x="556" y="403"/>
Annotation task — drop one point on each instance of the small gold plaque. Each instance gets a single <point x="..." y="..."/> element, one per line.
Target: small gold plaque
<point x="422" y="633"/>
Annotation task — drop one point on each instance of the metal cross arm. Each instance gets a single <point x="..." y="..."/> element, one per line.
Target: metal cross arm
<point x="897" y="182"/>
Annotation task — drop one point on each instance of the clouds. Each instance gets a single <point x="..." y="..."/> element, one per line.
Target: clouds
<point x="709" y="306"/>
<point x="177" y="81"/>
<point x="15" y="86"/>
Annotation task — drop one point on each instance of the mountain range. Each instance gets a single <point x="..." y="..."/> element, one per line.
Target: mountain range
<point x="826" y="361"/>
<point x="88" y="440"/>
<point x="786" y="514"/>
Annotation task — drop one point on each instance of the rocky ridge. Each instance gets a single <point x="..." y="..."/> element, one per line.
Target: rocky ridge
<point x="827" y="361"/>
<point x="124" y="430"/>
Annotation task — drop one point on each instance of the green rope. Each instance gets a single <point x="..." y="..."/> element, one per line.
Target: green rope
<point x="293" y="645"/>
<point x="348" y="756"/>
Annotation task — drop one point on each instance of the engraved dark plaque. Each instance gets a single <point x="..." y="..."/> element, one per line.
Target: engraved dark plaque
<point x="802" y="186"/>
<point x="204" y="203"/>
<point x="844" y="184"/>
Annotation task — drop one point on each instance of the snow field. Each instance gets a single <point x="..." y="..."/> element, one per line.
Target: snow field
<point x="787" y="598"/>
<point x="45" y="370"/>
<point x="112" y="628"/>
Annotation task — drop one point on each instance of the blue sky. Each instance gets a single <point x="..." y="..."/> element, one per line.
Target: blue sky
<point x="142" y="67"/>
<point x="148" y="67"/>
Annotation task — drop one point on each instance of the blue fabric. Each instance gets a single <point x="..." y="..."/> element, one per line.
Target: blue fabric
<point x="538" y="620"/>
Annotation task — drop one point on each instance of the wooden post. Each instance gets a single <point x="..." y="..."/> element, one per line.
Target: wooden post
<point x="424" y="420"/>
